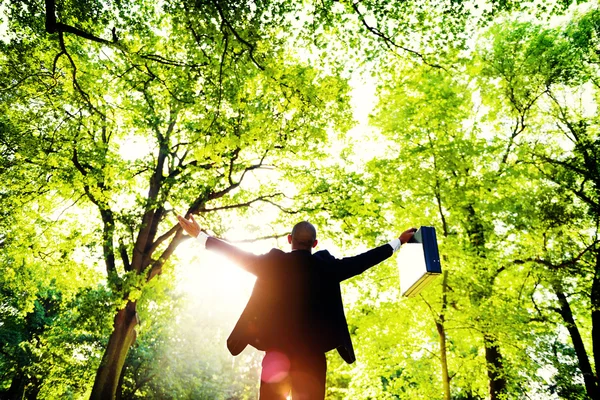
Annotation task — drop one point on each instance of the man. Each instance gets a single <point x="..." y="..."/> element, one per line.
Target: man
<point x="295" y="313"/>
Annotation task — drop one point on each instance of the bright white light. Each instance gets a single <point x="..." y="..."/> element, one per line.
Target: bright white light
<point x="212" y="281"/>
<point x="135" y="147"/>
<point x="5" y="34"/>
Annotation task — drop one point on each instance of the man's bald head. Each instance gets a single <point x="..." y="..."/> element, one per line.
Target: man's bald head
<point x="303" y="237"/>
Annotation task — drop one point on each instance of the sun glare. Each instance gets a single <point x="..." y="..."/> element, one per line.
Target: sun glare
<point x="211" y="280"/>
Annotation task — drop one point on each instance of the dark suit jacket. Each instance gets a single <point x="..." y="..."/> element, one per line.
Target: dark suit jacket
<point x="296" y="303"/>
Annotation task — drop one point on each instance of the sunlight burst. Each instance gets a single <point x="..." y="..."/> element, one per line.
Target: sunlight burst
<point x="211" y="280"/>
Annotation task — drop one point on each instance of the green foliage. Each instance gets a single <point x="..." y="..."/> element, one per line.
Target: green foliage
<point x="482" y="177"/>
<point x="115" y="116"/>
<point x="52" y="350"/>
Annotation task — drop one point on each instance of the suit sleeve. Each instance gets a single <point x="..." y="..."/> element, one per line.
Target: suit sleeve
<point x="348" y="267"/>
<point x="255" y="264"/>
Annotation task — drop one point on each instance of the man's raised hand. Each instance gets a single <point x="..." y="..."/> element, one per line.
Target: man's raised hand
<point x="191" y="227"/>
<point x="407" y="235"/>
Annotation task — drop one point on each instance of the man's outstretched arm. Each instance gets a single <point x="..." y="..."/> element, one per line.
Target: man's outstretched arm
<point x="248" y="261"/>
<point x="352" y="266"/>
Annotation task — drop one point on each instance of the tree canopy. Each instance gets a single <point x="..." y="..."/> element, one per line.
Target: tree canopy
<point x="117" y="116"/>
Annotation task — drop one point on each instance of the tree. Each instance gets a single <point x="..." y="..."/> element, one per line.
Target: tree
<point x="452" y="168"/>
<point x="556" y="64"/>
<point x="212" y="116"/>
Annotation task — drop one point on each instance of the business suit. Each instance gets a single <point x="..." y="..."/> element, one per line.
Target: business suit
<point x="296" y="308"/>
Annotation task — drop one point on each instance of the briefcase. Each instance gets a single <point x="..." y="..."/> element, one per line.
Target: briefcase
<point x="418" y="261"/>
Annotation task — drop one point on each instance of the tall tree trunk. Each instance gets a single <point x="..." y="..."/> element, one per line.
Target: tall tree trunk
<point x="495" y="368"/>
<point x="121" y="339"/>
<point x="16" y="389"/>
<point x="589" y="379"/>
<point x="439" y="324"/>
<point x="595" y="302"/>
<point x="493" y="356"/>
<point x="442" y="335"/>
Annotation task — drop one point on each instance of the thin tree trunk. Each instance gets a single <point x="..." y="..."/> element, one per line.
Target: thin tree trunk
<point x="121" y="339"/>
<point x="442" y="335"/>
<point x="583" y="360"/>
<point x="493" y="356"/>
<point x="495" y="368"/>
<point x="595" y="302"/>
<point x="439" y="324"/>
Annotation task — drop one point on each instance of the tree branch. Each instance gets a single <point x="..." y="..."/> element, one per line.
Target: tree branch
<point x="52" y="26"/>
<point x="250" y="46"/>
<point x="153" y="213"/>
<point x="274" y="236"/>
<point x="84" y="95"/>
<point x="570" y="262"/>
<point x="157" y="265"/>
<point x="124" y="256"/>
<point x="389" y="42"/>
<point x="240" y="205"/>
<point x="221" y="193"/>
<point x="162" y="238"/>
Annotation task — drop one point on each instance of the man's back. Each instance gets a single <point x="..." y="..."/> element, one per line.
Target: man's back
<point x="296" y="302"/>
<point x="287" y="304"/>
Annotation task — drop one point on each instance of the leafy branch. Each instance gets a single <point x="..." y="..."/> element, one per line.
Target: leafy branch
<point x="570" y="262"/>
<point x="391" y="44"/>
<point x="53" y="26"/>
<point x="251" y="47"/>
